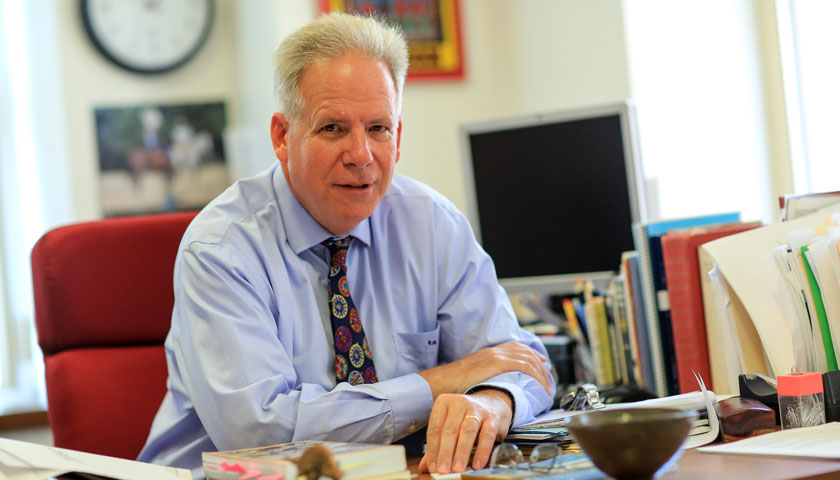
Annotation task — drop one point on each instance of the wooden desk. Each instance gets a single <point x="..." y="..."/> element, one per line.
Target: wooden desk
<point x="694" y="465"/>
<point x="697" y="465"/>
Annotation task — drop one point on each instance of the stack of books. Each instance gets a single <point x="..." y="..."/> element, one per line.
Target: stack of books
<point x="649" y="328"/>
<point x="290" y="460"/>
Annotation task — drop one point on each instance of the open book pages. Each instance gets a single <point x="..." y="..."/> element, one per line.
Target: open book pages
<point x="705" y="429"/>
<point x="28" y="460"/>
<point x="288" y="460"/>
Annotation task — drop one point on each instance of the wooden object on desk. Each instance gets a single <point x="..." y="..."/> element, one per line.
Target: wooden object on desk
<point x="697" y="465"/>
<point x="744" y="417"/>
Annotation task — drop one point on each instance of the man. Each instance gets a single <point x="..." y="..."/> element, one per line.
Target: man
<point x="267" y="343"/>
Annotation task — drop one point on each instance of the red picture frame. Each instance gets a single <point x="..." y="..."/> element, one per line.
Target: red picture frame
<point x="432" y="29"/>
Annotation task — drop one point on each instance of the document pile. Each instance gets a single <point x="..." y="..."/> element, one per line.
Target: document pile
<point x="28" y="461"/>
<point x="777" y="296"/>
<point x="705" y="429"/>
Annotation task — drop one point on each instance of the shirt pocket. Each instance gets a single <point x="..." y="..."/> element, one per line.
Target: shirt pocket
<point x="417" y="351"/>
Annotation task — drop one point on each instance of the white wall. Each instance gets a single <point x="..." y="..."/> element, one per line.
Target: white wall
<point x="260" y="26"/>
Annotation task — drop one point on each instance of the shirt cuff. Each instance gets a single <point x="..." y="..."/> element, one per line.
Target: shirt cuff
<point x="517" y="397"/>
<point x="410" y="399"/>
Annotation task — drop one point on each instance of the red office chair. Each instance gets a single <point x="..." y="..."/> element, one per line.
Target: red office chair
<point x="103" y="304"/>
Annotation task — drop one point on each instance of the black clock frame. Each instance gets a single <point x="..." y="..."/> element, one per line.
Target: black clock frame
<point x="94" y="38"/>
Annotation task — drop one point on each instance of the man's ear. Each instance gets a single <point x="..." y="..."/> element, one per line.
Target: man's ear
<point x="399" y="136"/>
<point x="279" y="129"/>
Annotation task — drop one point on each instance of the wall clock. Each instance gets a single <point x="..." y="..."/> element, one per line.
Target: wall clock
<point x="147" y="36"/>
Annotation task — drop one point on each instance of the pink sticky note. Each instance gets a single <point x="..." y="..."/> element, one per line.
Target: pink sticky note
<point x="226" y="467"/>
<point x="279" y="476"/>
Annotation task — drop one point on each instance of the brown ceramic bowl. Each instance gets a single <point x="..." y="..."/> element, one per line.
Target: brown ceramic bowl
<point x="631" y="443"/>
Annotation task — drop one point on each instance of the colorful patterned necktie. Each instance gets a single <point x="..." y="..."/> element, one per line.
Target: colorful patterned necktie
<point x="353" y="360"/>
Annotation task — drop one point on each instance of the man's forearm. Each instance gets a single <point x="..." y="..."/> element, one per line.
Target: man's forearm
<point x="481" y="365"/>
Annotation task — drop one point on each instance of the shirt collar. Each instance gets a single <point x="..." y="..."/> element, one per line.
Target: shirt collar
<point x="302" y="230"/>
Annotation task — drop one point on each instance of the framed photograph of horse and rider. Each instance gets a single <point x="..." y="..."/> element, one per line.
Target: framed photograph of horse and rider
<point x="160" y="158"/>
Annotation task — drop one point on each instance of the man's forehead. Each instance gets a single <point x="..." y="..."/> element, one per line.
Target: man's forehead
<point x="349" y="68"/>
<point x="348" y="88"/>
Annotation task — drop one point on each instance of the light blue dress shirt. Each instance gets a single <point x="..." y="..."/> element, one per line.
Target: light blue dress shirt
<point x="250" y="350"/>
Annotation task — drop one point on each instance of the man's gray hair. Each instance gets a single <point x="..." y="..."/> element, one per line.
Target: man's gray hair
<point x="330" y="37"/>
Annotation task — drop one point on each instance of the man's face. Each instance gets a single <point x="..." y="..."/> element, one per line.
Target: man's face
<point x="339" y="156"/>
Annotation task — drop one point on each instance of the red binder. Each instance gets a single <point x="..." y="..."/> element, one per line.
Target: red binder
<point x="682" y="271"/>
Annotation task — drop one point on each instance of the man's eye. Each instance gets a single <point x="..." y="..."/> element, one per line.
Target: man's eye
<point x="379" y="128"/>
<point x="330" y="128"/>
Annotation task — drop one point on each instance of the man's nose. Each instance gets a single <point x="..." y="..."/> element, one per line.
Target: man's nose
<point x="358" y="150"/>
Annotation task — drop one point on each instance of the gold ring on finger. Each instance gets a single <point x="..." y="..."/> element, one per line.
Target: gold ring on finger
<point x="473" y="417"/>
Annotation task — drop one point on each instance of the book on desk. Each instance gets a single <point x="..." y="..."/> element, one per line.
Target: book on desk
<point x="289" y="460"/>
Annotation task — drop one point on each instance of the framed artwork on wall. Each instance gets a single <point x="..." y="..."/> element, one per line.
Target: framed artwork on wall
<point x="160" y="158"/>
<point x="432" y="29"/>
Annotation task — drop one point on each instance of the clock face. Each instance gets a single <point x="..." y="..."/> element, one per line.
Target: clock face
<point x="148" y="36"/>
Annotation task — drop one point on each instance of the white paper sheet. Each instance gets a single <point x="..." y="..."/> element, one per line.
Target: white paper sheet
<point x="822" y="441"/>
<point x="22" y="460"/>
<point x="733" y="354"/>
<point x="12" y="473"/>
<point x="804" y="355"/>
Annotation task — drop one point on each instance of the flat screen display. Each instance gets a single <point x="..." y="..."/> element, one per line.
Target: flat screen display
<point x="553" y="197"/>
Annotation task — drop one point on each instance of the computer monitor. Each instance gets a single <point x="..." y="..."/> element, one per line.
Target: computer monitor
<point x="552" y="197"/>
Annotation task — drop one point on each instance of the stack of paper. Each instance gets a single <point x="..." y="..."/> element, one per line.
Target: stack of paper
<point x="705" y="429"/>
<point x="28" y="461"/>
<point x="787" y="277"/>
<point x="822" y="441"/>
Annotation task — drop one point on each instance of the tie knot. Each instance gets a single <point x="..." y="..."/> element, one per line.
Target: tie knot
<point x="338" y="249"/>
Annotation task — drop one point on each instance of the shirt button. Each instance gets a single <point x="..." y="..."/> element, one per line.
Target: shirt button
<point x="411" y="427"/>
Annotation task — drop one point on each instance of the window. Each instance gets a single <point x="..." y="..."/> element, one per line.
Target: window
<point x="809" y="37"/>
<point x="696" y="80"/>
<point x="27" y="47"/>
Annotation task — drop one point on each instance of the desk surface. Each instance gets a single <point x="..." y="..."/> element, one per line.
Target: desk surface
<point x="694" y="465"/>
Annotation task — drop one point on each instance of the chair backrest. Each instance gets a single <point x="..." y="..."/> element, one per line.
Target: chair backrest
<point x="103" y="305"/>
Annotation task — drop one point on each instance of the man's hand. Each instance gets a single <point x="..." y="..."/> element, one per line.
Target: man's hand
<point x="458" y="376"/>
<point x="457" y="422"/>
